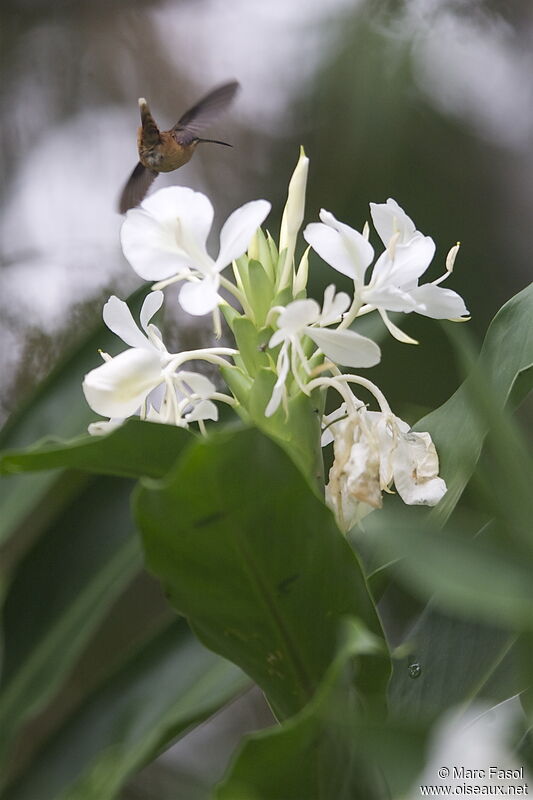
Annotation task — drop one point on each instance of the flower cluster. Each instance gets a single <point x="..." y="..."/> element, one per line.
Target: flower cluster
<point x="279" y="331"/>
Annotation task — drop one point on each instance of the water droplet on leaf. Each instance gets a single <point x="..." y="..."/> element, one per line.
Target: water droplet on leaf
<point x="414" y="670"/>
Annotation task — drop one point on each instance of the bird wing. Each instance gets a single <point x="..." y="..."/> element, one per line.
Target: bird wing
<point x="202" y="114"/>
<point x="136" y="187"/>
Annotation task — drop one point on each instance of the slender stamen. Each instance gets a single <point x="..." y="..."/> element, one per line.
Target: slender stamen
<point x="210" y="354"/>
<point x="353" y="312"/>
<point x="180" y="276"/>
<point x="340" y="379"/>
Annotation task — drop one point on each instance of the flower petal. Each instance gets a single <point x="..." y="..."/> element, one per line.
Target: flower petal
<point x="194" y="383"/>
<point x="119" y="319"/>
<point x="238" y="230"/>
<point x="103" y="427"/>
<point x="389" y="219"/>
<point x="409" y="263"/>
<point x="194" y="210"/>
<point x="205" y="409"/>
<point x="416" y="467"/>
<point x="342" y="247"/>
<point x="346" y="347"/>
<point x="118" y="387"/>
<point x="334" y="305"/>
<point x="199" y="298"/>
<point x="150" y="235"/>
<point x="150" y="247"/>
<point x="438" y="303"/>
<point x="389" y="298"/>
<point x="151" y="305"/>
<point x="297" y="315"/>
<point x="279" y="387"/>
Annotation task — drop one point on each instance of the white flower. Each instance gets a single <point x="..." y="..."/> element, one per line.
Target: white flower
<point x="121" y="384"/>
<point x="166" y="238"/>
<point x="372" y="451"/>
<point x="143" y="379"/>
<point x="304" y="318"/>
<point x="354" y="487"/>
<point x="393" y="285"/>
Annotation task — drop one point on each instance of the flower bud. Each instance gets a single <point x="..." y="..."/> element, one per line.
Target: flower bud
<point x="293" y="215"/>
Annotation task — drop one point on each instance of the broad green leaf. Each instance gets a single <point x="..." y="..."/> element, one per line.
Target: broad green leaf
<point x="135" y="449"/>
<point x="330" y="749"/>
<point x="449" y="661"/>
<point x="60" y="593"/>
<point x="171" y="684"/>
<point x="256" y="562"/>
<point x="457" y="428"/>
<point x="472" y="579"/>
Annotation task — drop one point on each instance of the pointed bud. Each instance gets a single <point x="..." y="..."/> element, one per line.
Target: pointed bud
<point x="293" y="215"/>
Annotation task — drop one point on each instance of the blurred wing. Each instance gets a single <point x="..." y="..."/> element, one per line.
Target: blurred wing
<point x="201" y="115"/>
<point x="136" y="187"/>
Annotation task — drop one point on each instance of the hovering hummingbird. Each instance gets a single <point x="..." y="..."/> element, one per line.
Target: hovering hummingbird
<point x="165" y="151"/>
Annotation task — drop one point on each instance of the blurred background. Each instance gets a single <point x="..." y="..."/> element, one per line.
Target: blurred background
<point x="426" y="101"/>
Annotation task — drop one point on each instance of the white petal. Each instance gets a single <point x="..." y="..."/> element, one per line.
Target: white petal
<point x="119" y="386"/>
<point x="297" y="315"/>
<point x="409" y="263"/>
<point x="328" y="427"/>
<point x="238" y="230"/>
<point x="199" y="298"/>
<point x="151" y="247"/>
<point x="205" y="409"/>
<point x="342" y="247"/>
<point x="416" y="467"/>
<point x="389" y="298"/>
<point x="393" y="329"/>
<point x="389" y="219"/>
<point x="346" y="347"/>
<point x="193" y="209"/>
<point x="196" y="383"/>
<point x="438" y="303"/>
<point x="118" y="319"/>
<point x="104" y="427"/>
<point x="279" y="387"/>
<point x="150" y="234"/>
<point x="152" y="304"/>
<point x="334" y="305"/>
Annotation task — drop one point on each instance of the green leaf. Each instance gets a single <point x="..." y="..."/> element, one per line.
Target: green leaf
<point x="471" y="579"/>
<point x="135" y="449"/>
<point x="264" y="254"/>
<point x="457" y="659"/>
<point x="457" y="428"/>
<point x="158" y="694"/>
<point x="255" y="561"/>
<point x="331" y="749"/>
<point x="61" y="592"/>
<point x="239" y="382"/>
<point x="250" y="342"/>
<point x="260" y="292"/>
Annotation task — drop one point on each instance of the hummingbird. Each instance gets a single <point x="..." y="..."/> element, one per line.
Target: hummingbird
<point x="165" y="151"/>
